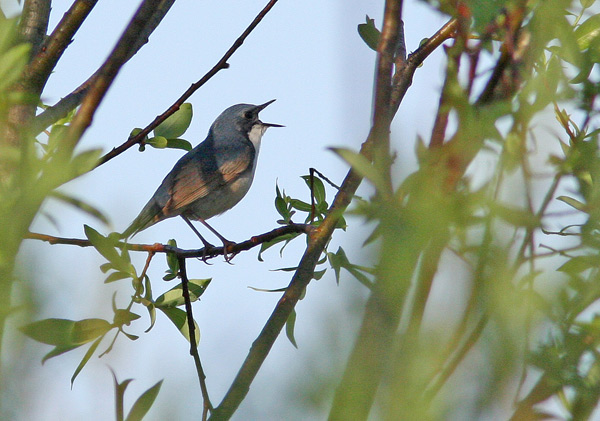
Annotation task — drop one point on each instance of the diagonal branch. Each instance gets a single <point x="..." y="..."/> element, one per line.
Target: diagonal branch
<point x="72" y="100"/>
<point x="108" y="72"/>
<point x="221" y="64"/>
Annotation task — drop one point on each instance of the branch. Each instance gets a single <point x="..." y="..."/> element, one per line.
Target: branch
<point x="34" y="23"/>
<point x="108" y="72"/>
<point x="221" y="64"/>
<point x="403" y="77"/>
<point x="32" y="29"/>
<point x="51" y="51"/>
<point x="208" y="252"/>
<point x="72" y="100"/>
<point x="193" y="341"/>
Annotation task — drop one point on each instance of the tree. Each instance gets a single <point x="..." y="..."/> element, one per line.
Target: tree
<point x="481" y="219"/>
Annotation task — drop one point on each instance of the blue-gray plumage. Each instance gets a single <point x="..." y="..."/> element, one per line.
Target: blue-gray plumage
<point x="214" y="176"/>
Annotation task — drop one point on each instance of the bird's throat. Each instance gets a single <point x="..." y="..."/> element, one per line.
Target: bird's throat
<point x="256" y="134"/>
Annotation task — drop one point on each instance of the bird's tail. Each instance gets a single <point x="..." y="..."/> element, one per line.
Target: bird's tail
<point x="149" y="216"/>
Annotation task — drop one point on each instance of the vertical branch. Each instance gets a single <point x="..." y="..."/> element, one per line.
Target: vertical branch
<point x="34" y="23"/>
<point x="32" y="29"/>
<point x="382" y="116"/>
<point x="45" y="60"/>
<point x="207" y="406"/>
<point x="354" y="396"/>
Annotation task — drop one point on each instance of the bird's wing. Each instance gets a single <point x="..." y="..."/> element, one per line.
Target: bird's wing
<point x="199" y="174"/>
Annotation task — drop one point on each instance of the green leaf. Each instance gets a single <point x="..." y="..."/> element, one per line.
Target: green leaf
<point x="573" y="203"/>
<point x="588" y="32"/>
<point x="516" y="217"/>
<point x="85" y="161"/>
<point x="81" y="205"/>
<point x="143" y="404"/>
<point x="119" y="396"/>
<point x="63" y="332"/>
<point x="86" y="358"/>
<point x="158" y="142"/>
<point x="300" y="205"/>
<point x="174" y="296"/>
<point x="318" y="189"/>
<point x="289" y="328"/>
<point x="362" y="166"/>
<point x="369" y="33"/>
<point x="12" y="64"/>
<point x="176" y="124"/>
<point x="116" y="276"/>
<point x="283" y="238"/>
<point x="179" y="144"/>
<point x="179" y="319"/>
<point x="172" y="261"/>
<point x="578" y="264"/>
<point x="106" y="247"/>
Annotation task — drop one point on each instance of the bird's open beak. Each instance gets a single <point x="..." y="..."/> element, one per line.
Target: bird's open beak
<point x="261" y="107"/>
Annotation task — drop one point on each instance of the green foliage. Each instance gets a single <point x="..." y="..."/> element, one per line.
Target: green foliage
<point x="369" y="33"/>
<point x="142" y="404"/>
<point x="167" y="134"/>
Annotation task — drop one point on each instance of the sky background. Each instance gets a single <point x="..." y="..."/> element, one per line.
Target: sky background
<point x="309" y="57"/>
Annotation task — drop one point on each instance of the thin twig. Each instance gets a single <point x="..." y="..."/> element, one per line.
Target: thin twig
<point x="207" y="406"/>
<point x="456" y="360"/>
<point x="221" y="64"/>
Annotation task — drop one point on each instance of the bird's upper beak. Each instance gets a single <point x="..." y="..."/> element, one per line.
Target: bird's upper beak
<point x="261" y="107"/>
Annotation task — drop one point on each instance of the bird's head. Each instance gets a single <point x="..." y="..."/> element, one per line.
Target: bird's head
<point x="242" y="118"/>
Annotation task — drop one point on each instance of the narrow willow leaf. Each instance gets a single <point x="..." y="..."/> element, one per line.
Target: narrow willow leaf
<point x="81" y="205"/>
<point x="85" y="359"/>
<point x="573" y="203"/>
<point x="362" y="166"/>
<point x="143" y="404"/>
<point x="290" y="324"/>
<point x="106" y="248"/>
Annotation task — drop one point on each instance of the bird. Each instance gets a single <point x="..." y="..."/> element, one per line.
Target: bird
<point x="211" y="178"/>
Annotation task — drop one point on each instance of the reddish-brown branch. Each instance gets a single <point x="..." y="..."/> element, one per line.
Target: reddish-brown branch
<point x="210" y="252"/>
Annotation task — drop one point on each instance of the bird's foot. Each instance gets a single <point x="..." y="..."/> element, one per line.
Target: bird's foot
<point x="226" y="254"/>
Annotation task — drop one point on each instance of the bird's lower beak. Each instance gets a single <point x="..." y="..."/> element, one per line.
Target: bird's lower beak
<point x="271" y="124"/>
<point x="262" y="107"/>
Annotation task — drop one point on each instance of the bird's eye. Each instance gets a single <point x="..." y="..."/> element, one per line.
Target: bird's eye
<point x="248" y="115"/>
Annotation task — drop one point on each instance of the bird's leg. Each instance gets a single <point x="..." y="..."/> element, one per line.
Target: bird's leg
<point x="225" y="241"/>
<point x="206" y="243"/>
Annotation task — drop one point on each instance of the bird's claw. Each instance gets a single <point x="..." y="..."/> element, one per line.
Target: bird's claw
<point x="226" y="244"/>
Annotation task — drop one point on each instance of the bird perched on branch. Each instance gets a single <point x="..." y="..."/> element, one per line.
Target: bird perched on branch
<point x="211" y="178"/>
